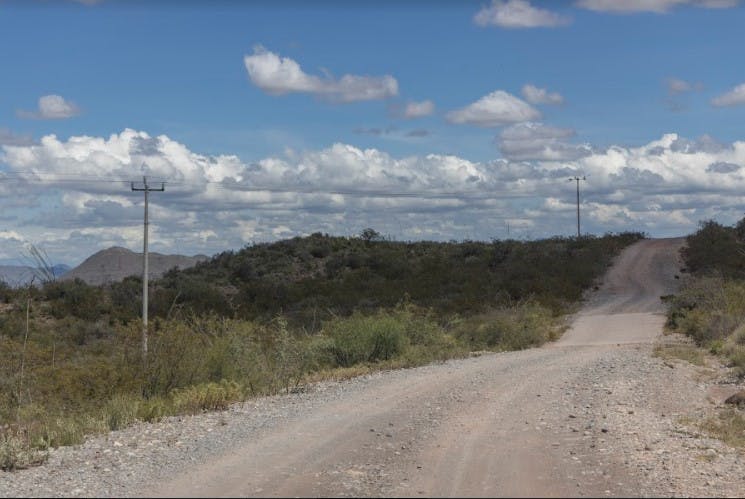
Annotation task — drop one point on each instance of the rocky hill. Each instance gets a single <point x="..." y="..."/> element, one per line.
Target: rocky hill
<point x="114" y="264"/>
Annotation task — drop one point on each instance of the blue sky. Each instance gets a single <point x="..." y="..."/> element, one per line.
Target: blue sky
<point x="274" y="119"/>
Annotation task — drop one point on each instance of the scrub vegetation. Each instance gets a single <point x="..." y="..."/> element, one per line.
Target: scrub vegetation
<point x="710" y="308"/>
<point x="268" y="319"/>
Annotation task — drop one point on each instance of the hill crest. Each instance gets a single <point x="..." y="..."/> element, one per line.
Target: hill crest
<point x="115" y="263"/>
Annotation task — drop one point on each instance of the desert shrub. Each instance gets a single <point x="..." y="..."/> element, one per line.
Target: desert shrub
<point x="733" y="347"/>
<point x="75" y="331"/>
<point x="202" y="296"/>
<point x="711" y="310"/>
<point x="121" y="411"/>
<point x="13" y="323"/>
<point x="707" y="309"/>
<point x="444" y="348"/>
<point x="7" y="293"/>
<point x="89" y="379"/>
<point x="290" y="358"/>
<point x="728" y="425"/>
<point x="736" y="355"/>
<point x="16" y="452"/>
<point x="153" y="409"/>
<point x="206" y="397"/>
<point x="176" y="357"/>
<point x="320" y="349"/>
<point x="688" y="353"/>
<point x="126" y="298"/>
<point x="58" y="429"/>
<point x="513" y="327"/>
<point x="360" y="338"/>
<point x="75" y="298"/>
<point x="715" y="248"/>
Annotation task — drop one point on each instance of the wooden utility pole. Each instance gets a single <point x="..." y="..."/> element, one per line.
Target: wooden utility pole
<point x="577" y="179"/>
<point x="146" y="189"/>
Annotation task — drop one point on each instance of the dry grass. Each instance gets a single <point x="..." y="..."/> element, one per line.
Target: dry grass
<point x="728" y="426"/>
<point x="688" y="353"/>
<point x="16" y="453"/>
<point x="341" y="373"/>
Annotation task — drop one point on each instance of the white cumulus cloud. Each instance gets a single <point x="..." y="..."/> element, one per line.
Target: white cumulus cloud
<point x="281" y="75"/>
<point x="215" y="203"/>
<point x="418" y="109"/>
<point x="678" y="86"/>
<point x="517" y="14"/>
<point x="495" y="109"/>
<point x="8" y="137"/>
<point x="536" y="95"/>
<point x="734" y="97"/>
<point x="655" y="6"/>
<point x="51" y="107"/>
<point x="536" y="141"/>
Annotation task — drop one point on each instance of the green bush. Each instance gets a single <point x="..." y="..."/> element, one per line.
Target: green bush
<point x="360" y="338"/>
<point x="707" y="309"/>
<point x="514" y="327"/>
<point x="75" y="298"/>
<point x="715" y="248"/>
<point x="121" y="411"/>
<point x="153" y="409"/>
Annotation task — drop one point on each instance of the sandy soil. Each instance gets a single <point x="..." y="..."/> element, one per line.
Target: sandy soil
<point x="496" y="425"/>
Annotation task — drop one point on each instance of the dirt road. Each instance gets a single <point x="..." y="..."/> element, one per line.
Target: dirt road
<point x="523" y="423"/>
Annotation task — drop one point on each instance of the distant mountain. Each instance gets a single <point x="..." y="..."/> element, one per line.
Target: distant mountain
<point x="114" y="264"/>
<point x="21" y="275"/>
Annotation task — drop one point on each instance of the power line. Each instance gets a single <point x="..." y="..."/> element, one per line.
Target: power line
<point x="376" y="193"/>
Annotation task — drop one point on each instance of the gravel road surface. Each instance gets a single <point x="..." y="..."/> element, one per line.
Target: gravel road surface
<point x="594" y="414"/>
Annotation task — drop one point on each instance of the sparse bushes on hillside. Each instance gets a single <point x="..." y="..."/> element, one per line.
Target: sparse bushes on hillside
<point x="319" y="277"/>
<point x="74" y="298"/>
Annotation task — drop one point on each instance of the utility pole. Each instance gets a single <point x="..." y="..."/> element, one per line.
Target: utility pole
<point x="577" y="179"/>
<point x="146" y="189"/>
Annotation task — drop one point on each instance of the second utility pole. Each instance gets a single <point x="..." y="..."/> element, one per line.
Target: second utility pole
<point x="146" y="189"/>
<point x="577" y="179"/>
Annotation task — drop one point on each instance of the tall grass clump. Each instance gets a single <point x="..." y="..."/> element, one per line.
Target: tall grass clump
<point x="728" y="426"/>
<point x="206" y="397"/>
<point x="358" y="339"/>
<point x="16" y="452"/>
<point x="121" y="411"/>
<point x="406" y="333"/>
<point x="734" y="349"/>
<point x="516" y="327"/>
